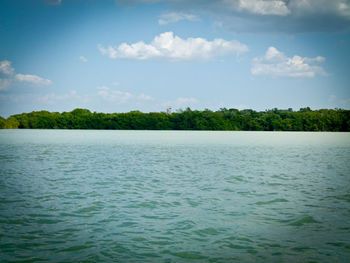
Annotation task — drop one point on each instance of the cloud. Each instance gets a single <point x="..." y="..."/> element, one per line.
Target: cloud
<point x="53" y="98"/>
<point x="4" y="84"/>
<point x="84" y="59"/>
<point x="53" y="2"/>
<point x="320" y="7"/>
<point x="6" y="68"/>
<point x="113" y="95"/>
<point x="120" y="97"/>
<point x="181" y="102"/>
<point x="185" y="101"/>
<point x="8" y="76"/>
<point x="174" y="17"/>
<point x="144" y="97"/>
<point x="275" y="63"/>
<point x="174" y="48"/>
<point x="288" y="16"/>
<point x="260" y="7"/>
<point x="34" y="79"/>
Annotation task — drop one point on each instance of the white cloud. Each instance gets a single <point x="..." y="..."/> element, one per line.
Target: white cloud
<point x="174" y="48"/>
<point x="290" y="16"/>
<point x="7" y="71"/>
<point x="6" y="68"/>
<point x="260" y="7"/>
<point x="84" y="59"/>
<point x="118" y="96"/>
<point x="34" y="79"/>
<point x="174" y="17"/>
<point x="275" y="63"/>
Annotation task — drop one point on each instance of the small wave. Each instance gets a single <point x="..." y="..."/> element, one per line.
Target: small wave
<point x="345" y="197"/>
<point x="339" y="244"/>
<point x="301" y="249"/>
<point x="10" y="201"/>
<point x="305" y="220"/>
<point x="184" y="225"/>
<point x="74" y="248"/>
<point x="189" y="255"/>
<point x="207" y="232"/>
<point x="278" y="200"/>
<point x="88" y="209"/>
<point x="151" y="204"/>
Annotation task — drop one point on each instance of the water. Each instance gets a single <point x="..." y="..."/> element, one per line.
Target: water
<point x="174" y="196"/>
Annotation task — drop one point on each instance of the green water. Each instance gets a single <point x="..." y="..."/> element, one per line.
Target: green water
<point x="174" y="196"/>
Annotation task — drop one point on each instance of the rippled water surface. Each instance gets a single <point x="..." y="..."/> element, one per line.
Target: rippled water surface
<point x="174" y="196"/>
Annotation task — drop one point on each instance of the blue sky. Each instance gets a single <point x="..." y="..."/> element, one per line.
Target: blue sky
<point x="117" y="56"/>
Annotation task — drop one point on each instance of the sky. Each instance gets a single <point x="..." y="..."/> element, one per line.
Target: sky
<point x="148" y="55"/>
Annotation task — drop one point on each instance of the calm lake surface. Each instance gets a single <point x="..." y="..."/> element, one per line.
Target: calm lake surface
<point x="174" y="196"/>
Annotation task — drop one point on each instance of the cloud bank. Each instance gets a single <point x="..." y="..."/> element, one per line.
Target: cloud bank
<point x="173" y="48"/>
<point x="275" y="63"/>
<point x="288" y="16"/>
<point x="260" y="7"/>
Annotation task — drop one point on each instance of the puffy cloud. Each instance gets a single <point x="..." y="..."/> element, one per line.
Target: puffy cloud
<point x="275" y="63"/>
<point x="6" y="68"/>
<point x="34" y="79"/>
<point x="174" y="48"/>
<point x="118" y="96"/>
<point x="84" y="59"/>
<point x="174" y="17"/>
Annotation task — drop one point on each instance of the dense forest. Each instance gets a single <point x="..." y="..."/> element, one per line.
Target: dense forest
<point x="224" y="119"/>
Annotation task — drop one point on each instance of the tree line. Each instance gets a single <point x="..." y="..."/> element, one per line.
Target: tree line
<point x="224" y="119"/>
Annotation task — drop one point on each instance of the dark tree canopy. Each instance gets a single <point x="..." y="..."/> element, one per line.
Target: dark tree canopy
<point x="224" y="119"/>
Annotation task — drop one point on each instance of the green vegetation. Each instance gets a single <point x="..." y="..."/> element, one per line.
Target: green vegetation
<point x="10" y="123"/>
<point x="224" y="119"/>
